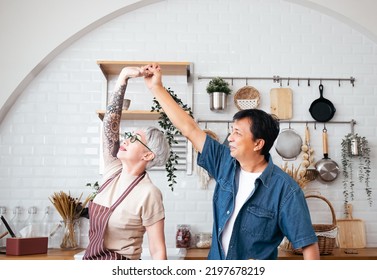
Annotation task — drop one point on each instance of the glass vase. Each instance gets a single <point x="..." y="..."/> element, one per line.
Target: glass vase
<point x="71" y="234"/>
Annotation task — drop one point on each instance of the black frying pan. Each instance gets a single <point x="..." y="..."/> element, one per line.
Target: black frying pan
<point x="322" y="109"/>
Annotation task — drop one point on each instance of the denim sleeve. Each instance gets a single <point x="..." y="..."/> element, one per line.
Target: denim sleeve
<point x="295" y="221"/>
<point x="213" y="156"/>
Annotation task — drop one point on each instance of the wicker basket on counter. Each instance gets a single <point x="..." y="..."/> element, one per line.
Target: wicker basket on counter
<point x="247" y="97"/>
<point x="326" y="233"/>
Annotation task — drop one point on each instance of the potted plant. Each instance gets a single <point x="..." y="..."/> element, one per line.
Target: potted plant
<point x="218" y="89"/>
<point x="355" y="148"/>
<point x="170" y="130"/>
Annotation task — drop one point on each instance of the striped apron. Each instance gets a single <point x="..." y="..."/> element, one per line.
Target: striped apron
<point x="98" y="218"/>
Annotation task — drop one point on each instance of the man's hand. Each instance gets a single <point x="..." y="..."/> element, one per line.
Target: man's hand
<point x="152" y="75"/>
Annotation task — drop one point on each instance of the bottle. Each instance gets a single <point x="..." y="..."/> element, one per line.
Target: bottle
<point x="16" y="222"/>
<point x="50" y="229"/>
<point x="31" y="225"/>
<point x="3" y="229"/>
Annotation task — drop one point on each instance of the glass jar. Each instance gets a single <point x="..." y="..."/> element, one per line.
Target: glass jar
<point x="203" y="240"/>
<point x="71" y="234"/>
<point x="183" y="236"/>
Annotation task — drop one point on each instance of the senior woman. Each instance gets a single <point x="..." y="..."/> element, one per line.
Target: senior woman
<point x="127" y="204"/>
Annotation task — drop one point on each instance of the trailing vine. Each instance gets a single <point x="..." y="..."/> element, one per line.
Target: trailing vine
<point x="364" y="169"/>
<point x="170" y="131"/>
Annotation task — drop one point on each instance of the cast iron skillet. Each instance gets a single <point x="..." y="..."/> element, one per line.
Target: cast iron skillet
<point x="322" y="109"/>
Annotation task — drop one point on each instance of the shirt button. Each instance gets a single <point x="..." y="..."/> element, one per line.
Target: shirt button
<point x="219" y="228"/>
<point x="228" y="212"/>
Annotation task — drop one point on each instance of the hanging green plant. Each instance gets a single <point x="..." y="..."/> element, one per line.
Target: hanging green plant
<point x="170" y="131"/>
<point x="355" y="147"/>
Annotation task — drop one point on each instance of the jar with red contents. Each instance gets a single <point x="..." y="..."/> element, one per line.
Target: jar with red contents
<point x="183" y="236"/>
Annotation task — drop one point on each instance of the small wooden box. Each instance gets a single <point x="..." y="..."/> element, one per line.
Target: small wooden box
<point x="26" y="246"/>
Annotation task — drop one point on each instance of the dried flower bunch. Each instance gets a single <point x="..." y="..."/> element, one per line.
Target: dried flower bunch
<point x="68" y="207"/>
<point x="297" y="174"/>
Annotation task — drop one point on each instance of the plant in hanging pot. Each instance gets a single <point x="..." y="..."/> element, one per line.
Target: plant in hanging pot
<point x="355" y="148"/>
<point x="218" y="89"/>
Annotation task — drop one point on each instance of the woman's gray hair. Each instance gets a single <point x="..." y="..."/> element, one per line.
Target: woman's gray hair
<point x="158" y="143"/>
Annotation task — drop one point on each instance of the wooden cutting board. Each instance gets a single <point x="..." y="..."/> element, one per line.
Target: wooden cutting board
<point x="281" y="103"/>
<point x="351" y="232"/>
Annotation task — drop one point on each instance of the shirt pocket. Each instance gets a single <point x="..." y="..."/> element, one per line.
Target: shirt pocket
<point x="258" y="221"/>
<point x="223" y="196"/>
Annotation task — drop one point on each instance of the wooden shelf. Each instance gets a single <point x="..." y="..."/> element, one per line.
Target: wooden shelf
<point x="110" y="67"/>
<point x="133" y="115"/>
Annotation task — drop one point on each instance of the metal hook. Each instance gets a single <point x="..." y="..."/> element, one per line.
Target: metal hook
<point x="308" y="82"/>
<point x="298" y="81"/>
<point x="352" y="80"/>
<point x="288" y="81"/>
<point x="281" y="82"/>
<point x="339" y="83"/>
<point x="247" y="82"/>
<point x="232" y="81"/>
<point x="324" y="127"/>
<point x="352" y="129"/>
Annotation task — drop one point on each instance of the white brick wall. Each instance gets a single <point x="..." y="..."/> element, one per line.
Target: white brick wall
<point x="49" y="141"/>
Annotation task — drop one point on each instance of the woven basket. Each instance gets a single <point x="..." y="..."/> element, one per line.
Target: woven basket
<point x="247" y="97"/>
<point x="326" y="233"/>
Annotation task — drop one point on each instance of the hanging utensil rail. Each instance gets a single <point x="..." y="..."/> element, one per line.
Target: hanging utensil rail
<point x="278" y="79"/>
<point x="351" y="122"/>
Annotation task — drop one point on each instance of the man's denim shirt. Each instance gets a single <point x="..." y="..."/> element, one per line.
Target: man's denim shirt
<point x="275" y="209"/>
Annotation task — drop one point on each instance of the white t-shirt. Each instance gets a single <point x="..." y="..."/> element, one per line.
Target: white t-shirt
<point x="245" y="187"/>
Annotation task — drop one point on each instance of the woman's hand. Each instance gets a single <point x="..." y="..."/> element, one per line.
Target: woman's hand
<point x="130" y="72"/>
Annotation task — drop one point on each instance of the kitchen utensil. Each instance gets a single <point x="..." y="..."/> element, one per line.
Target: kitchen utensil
<point x="351" y="232"/>
<point x="204" y="177"/>
<point x="126" y="104"/>
<point x="8" y="227"/>
<point x="328" y="170"/>
<point x="288" y="144"/>
<point x="3" y="234"/>
<point x="281" y="103"/>
<point x="322" y="109"/>
<point x="226" y="142"/>
<point x="311" y="172"/>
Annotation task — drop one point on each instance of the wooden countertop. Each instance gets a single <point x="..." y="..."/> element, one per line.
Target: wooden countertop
<point x="52" y="254"/>
<point x="338" y="254"/>
<point x="201" y="254"/>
